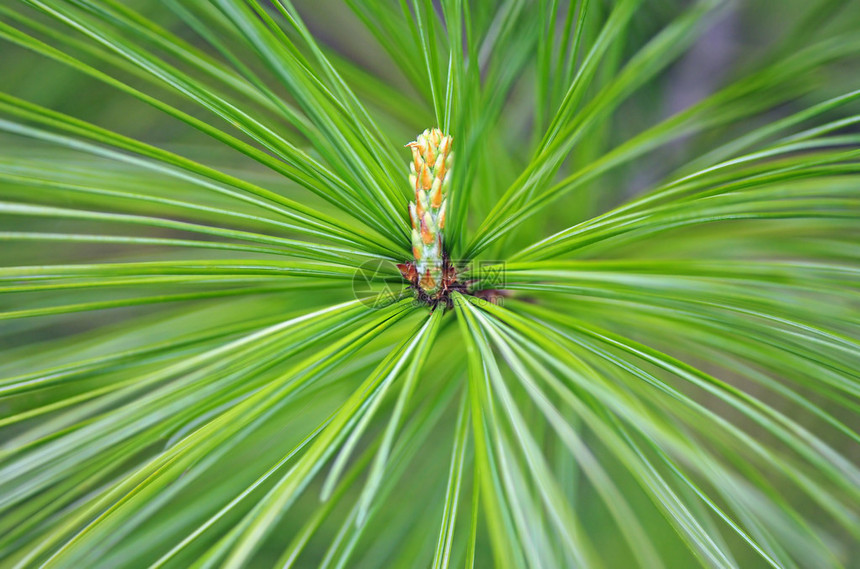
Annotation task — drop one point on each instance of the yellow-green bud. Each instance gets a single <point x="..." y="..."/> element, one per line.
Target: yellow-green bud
<point x="430" y="179"/>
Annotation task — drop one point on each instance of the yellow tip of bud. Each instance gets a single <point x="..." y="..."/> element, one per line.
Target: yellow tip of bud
<point x="436" y="193"/>
<point x="428" y="282"/>
<point x="426" y="234"/>
<point x="425" y="177"/>
<point x="445" y="145"/>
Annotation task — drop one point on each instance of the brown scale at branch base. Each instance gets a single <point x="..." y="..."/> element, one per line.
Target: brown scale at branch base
<point x="442" y="295"/>
<point x="450" y="284"/>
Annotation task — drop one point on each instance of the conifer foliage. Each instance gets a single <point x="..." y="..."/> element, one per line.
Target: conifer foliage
<point x="610" y="314"/>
